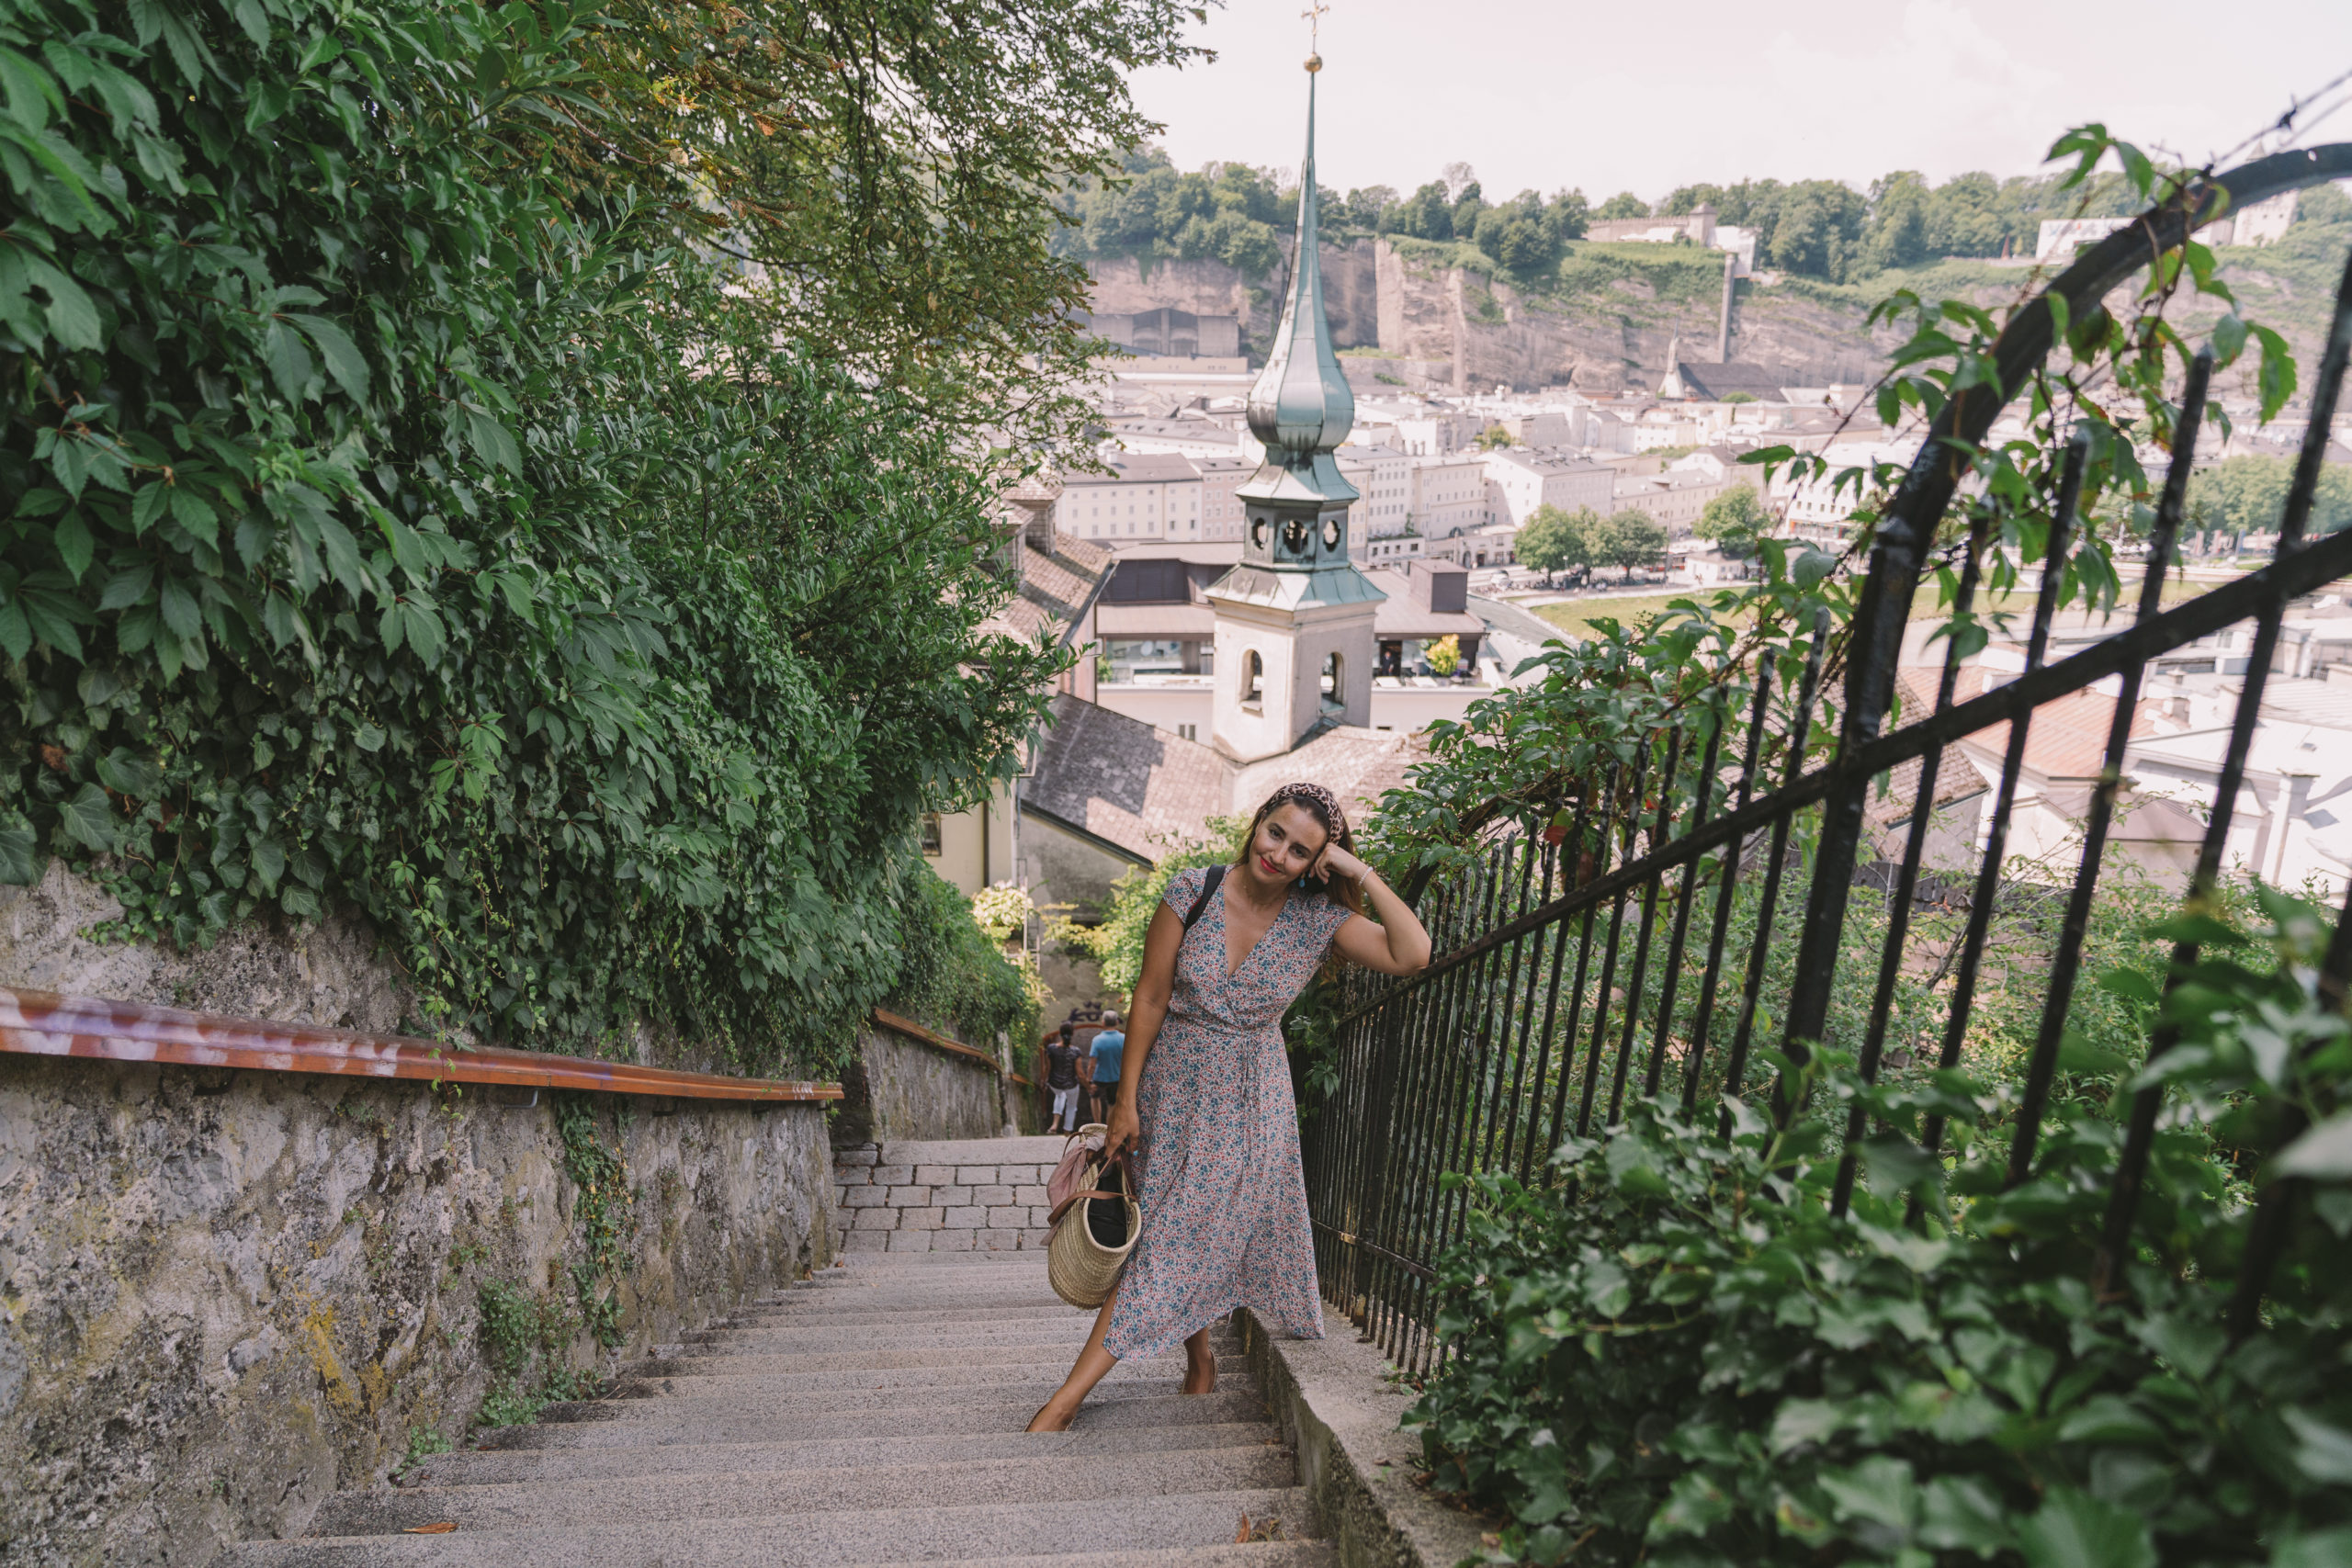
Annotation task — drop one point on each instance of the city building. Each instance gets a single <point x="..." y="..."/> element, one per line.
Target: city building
<point x="1177" y="333"/>
<point x="1519" y="479"/>
<point x="1384" y="479"/>
<point x="1449" y="494"/>
<point x="1220" y="477"/>
<point x="1144" y="495"/>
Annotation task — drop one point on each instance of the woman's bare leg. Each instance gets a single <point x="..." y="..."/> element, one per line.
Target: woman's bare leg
<point x="1200" y="1364"/>
<point x="1093" y="1364"/>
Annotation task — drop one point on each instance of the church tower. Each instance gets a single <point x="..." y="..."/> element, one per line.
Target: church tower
<point x="1294" y="644"/>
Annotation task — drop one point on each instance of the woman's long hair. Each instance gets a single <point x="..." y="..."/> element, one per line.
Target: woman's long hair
<point x="1324" y="807"/>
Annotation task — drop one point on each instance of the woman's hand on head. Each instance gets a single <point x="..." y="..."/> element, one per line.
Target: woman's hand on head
<point x="1336" y="862"/>
<point x="1125" y="1130"/>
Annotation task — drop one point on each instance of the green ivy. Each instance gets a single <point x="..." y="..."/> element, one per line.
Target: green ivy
<point x="607" y="1210"/>
<point x="407" y="513"/>
<point x="1692" y="1361"/>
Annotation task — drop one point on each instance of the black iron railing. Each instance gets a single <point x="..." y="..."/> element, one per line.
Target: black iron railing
<point x="1687" y="905"/>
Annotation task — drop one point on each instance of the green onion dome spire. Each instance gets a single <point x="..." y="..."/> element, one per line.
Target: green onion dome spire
<point x="1301" y="407"/>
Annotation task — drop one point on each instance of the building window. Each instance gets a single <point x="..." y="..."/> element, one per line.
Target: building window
<point x="1188" y="731"/>
<point x="1253" y="681"/>
<point x="931" y="832"/>
<point x="1335" y="683"/>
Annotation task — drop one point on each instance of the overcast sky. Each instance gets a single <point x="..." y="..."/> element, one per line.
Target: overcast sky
<point x="1647" y="96"/>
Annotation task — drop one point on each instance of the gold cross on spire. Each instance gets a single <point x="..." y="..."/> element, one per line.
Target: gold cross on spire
<point x="1314" y="15"/>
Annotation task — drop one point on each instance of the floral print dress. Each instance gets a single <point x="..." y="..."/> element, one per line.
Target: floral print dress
<point x="1224" y="1199"/>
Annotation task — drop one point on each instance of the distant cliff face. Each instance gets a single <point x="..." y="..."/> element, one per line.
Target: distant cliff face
<point x="1491" y="333"/>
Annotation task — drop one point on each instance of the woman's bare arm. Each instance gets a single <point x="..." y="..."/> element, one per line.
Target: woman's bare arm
<point x="1393" y="943"/>
<point x="1147" y="1011"/>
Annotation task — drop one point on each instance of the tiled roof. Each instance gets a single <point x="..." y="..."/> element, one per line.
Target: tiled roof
<point x="1124" y="782"/>
<point x="1138" y="467"/>
<point x="1354" y="763"/>
<point x="1056" y="587"/>
<point x="2067" y="738"/>
<point x="1710" y="382"/>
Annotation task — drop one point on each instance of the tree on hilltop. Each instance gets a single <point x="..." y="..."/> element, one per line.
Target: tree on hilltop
<point x="1624" y="204"/>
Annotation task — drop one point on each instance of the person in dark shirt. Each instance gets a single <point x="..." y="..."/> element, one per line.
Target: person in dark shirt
<point x="1062" y="1077"/>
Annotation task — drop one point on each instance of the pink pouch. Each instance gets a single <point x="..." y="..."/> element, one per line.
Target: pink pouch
<point x="1070" y="1176"/>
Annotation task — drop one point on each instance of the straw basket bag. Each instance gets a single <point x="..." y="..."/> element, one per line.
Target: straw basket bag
<point x="1094" y="1229"/>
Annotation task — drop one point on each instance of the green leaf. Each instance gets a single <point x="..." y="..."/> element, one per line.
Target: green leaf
<point x="74" y="546"/>
<point x="2074" y="1529"/>
<point x="15" y="633"/>
<point x="2323" y="1549"/>
<point x="127" y="588"/>
<point x="1804" y="1421"/>
<point x="268" y="860"/>
<point x="1961" y="1513"/>
<point x="126" y="773"/>
<point x="2321" y="1451"/>
<point x="254" y="20"/>
<point x="20" y="857"/>
<point x="343" y="558"/>
<point x="344" y="360"/>
<point x="89" y="818"/>
<point x="2323" y="1153"/>
<point x="290" y="361"/>
<point x="492" y="441"/>
<point x="179" y="607"/>
<point x="367" y="738"/>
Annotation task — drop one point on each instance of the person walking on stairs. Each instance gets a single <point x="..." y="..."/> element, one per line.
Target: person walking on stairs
<point x="1104" y="1073"/>
<point x="1062" y="1077"/>
<point x="1204" y="1097"/>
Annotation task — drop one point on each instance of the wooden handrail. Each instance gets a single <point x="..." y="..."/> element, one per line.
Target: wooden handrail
<point x="39" y="1023"/>
<point x="913" y="1030"/>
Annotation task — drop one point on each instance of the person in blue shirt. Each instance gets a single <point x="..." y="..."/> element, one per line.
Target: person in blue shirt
<point x="1108" y="1050"/>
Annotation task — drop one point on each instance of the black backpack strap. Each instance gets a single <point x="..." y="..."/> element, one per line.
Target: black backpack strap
<point x="1209" y="885"/>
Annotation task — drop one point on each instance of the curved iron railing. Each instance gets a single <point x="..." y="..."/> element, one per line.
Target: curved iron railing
<point x="1566" y="962"/>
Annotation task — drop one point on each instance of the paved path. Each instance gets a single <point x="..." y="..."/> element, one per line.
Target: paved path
<point x="869" y="1416"/>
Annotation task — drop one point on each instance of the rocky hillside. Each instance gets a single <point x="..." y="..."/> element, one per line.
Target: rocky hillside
<point x="1605" y="327"/>
<point x="1605" y="322"/>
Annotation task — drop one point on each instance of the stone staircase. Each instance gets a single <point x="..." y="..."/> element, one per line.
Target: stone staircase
<point x="869" y="1416"/>
<point x="968" y="1195"/>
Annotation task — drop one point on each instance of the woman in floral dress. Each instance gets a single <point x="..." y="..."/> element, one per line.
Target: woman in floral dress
<point x="1204" y="1099"/>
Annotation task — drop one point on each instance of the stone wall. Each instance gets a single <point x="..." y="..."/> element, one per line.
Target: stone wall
<point x="224" y="1296"/>
<point x="900" y="1087"/>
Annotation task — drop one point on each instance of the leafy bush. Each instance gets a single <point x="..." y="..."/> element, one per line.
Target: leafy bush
<point x="1116" y="943"/>
<point x="1683" y="1358"/>
<point x="954" y="975"/>
<point x="407" y="513"/>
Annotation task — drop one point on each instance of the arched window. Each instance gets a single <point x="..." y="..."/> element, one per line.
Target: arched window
<point x="1253" y="679"/>
<point x="1335" y="683"/>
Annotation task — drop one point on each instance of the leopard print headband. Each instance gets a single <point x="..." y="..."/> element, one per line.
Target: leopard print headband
<point x="1322" y="798"/>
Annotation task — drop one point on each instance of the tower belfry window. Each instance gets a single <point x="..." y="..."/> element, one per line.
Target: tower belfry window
<point x="1253" y="679"/>
<point x="1335" y="683"/>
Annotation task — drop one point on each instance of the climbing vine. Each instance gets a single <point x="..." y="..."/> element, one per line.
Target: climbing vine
<point x="607" y="1210"/>
<point x="407" y="513"/>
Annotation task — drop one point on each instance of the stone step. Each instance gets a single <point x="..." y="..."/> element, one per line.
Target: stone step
<point x="813" y="1351"/>
<point x="1255" y="1555"/>
<point x="865" y="1315"/>
<point x="1014" y="1360"/>
<point x="1064" y="1476"/>
<point x="1090" y="1530"/>
<point x="792" y="1388"/>
<point x="1037" y="1301"/>
<point x="486" y="1467"/>
<point x="652" y="1423"/>
<point x="980" y="1339"/>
